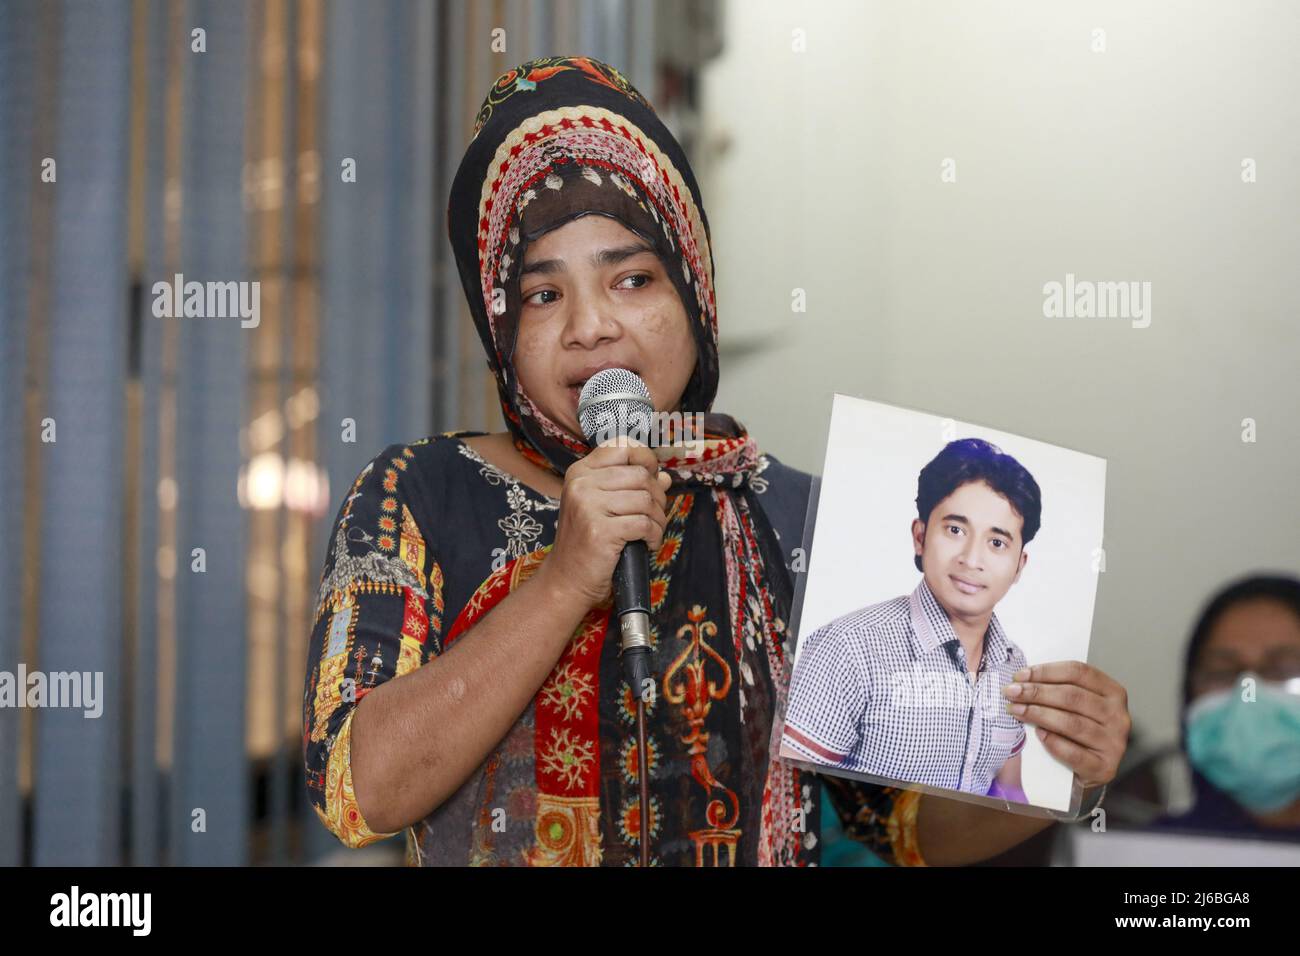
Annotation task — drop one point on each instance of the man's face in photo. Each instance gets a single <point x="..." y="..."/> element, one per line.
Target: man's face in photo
<point x="971" y="549"/>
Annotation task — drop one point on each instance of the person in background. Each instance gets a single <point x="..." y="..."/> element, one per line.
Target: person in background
<point x="1240" y="726"/>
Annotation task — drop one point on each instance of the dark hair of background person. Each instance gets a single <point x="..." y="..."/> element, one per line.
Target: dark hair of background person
<point x="973" y="459"/>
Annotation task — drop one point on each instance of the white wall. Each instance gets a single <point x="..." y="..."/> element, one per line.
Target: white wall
<point x="1115" y="166"/>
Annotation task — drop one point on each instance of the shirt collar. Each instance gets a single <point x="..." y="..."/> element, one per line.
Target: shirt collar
<point x="932" y="628"/>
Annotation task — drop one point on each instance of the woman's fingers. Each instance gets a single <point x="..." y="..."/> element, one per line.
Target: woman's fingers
<point x="609" y="455"/>
<point x="1068" y="724"/>
<point x="613" y="469"/>
<point x="1068" y="697"/>
<point x="612" y="496"/>
<point x="1080" y="713"/>
<point x="639" y="527"/>
<point x="1072" y="672"/>
<point x="639" y="501"/>
<point x="625" y="477"/>
<point x="640" y="516"/>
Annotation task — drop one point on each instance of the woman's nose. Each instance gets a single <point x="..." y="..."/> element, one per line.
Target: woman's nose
<point x="590" y="322"/>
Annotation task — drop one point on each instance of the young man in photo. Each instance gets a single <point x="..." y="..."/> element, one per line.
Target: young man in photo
<point x="912" y="688"/>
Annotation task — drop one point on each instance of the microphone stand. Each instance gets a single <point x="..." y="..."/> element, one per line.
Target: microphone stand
<point x="645" y="781"/>
<point x="631" y="588"/>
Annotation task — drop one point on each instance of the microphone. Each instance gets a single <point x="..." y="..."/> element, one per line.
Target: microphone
<point x="615" y="403"/>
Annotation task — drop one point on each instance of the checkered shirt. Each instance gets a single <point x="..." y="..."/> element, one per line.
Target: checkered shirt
<point x="885" y="690"/>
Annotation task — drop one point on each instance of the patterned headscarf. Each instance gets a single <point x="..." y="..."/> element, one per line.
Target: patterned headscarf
<point x="557" y="138"/>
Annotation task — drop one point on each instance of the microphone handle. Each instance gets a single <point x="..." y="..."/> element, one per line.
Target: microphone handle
<point x="632" y="607"/>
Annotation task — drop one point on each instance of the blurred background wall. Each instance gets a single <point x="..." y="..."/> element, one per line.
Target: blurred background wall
<point x="918" y="171"/>
<point x="1113" y="156"/>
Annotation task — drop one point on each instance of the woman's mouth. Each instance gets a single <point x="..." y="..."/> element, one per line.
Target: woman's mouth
<point x="964" y="586"/>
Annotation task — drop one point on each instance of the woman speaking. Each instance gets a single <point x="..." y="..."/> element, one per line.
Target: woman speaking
<point x="464" y="683"/>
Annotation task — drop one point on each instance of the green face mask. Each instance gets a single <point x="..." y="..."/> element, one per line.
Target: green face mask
<point x="1248" y="749"/>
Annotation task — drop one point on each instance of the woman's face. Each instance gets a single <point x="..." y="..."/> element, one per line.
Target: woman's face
<point x="594" y="296"/>
<point x="1260" y="635"/>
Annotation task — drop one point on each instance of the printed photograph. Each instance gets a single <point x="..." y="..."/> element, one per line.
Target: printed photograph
<point x="945" y="560"/>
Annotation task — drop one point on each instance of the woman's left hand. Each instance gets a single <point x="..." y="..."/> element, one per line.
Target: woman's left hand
<point x="1081" y="716"/>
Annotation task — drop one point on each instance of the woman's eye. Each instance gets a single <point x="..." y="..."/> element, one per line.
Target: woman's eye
<point x="529" y="298"/>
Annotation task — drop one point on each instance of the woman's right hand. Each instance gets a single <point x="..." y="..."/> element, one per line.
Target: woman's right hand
<point x="614" y="495"/>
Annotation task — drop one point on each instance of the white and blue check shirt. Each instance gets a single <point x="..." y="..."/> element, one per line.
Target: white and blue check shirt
<point x="886" y="690"/>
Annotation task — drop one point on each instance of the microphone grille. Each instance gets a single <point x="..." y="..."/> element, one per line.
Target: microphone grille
<point x="615" y="402"/>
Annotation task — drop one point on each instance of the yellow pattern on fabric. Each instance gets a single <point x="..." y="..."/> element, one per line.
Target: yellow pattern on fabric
<point x="567" y="831"/>
<point x="409" y="657"/>
<point x="328" y="696"/>
<point x="341" y="814"/>
<point x="411" y="548"/>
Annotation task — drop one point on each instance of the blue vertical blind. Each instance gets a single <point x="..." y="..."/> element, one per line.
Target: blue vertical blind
<point x="162" y="152"/>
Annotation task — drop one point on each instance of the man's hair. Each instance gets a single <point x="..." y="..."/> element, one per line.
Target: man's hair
<point x="973" y="459"/>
